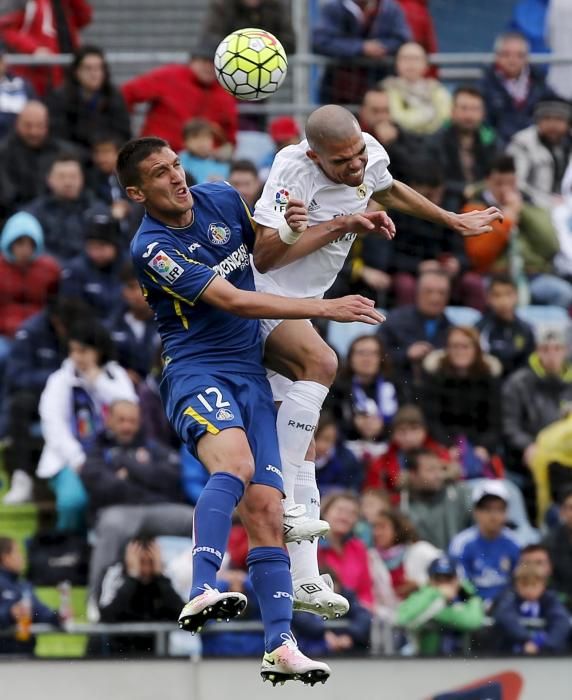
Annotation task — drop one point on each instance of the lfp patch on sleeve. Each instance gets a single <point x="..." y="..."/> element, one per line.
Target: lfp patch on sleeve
<point x="166" y="267"/>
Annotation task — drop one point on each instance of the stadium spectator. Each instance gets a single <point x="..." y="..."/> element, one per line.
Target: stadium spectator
<point x="524" y="243"/>
<point x="72" y="409"/>
<point x="375" y="119"/>
<point x="102" y="181"/>
<point x="502" y="333"/>
<point x="437" y="508"/>
<point x="465" y="147"/>
<point x="43" y="28"/>
<point x="354" y="638"/>
<point x="65" y="211"/>
<point x="372" y="502"/>
<point x="424" y="245"/>
<point x="27" y="277"/>
<point x="197" y="158"/>
<point x="420" y="23"/>
<point x="409" y="433"/>
<point x="137" y="590"/>
<point x="398" y="562"/>
<point x="559" y="545"/>
<point x="417" y="103"/>
<point x="341" y="551"/>
<point x="243" y="177"/>
<point x="177" y="93"/>
<point x="364" y="398"/>
<point x="39" y="348"/>
<point x="19" y="605"/>
<point x="412" y="332"/>
<point x="487" y="552"/>
<point x="357" y="29"/>
<point x="336" y="466"/>
<point x="284" y="131"/>
<point x="225" y="16"/>
<point x="134" y="487"/>
<point x="133" y="329"/>
<point x="542" y="152"/>
<point x="460" y="395"/>
<point x="15" y="91"/>
<point x="558" y="29"/>
<point x="538" y="556"/>
<point x="512" y="87"/>
<point x="529" y="599"/>
<point x="443" y="611"/>
<point x="26" y="156"/>
<point x="534" y="397"/>
<point x="93" y="276"/>
<point x="87" y="102"/>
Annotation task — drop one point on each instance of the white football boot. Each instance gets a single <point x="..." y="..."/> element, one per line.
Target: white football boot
<point x="287" y="663"/>
<point x="211" y="605"/>
<point x="298" y="526"/>
<point x="316" y="595"/>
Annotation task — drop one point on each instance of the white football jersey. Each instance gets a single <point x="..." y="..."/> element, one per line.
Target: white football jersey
<point x="295" y="175"/>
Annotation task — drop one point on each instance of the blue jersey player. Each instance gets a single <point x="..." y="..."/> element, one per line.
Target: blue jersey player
<point x="191" y="255"/>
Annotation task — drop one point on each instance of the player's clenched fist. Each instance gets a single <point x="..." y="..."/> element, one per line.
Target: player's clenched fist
<point x="353" y="308"/>
<point x="296" y="215"/>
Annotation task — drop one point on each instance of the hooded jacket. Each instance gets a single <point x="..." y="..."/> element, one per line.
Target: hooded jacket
<point x="24" y="290"/>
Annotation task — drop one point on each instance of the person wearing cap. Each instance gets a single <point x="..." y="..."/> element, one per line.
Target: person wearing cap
<point x="542" y="152"/>
<point x="533" y="398"/>
<point x="197" y="158"/>
<point x="93" y="275"/>
<point x="15" y="91"/>
<point x="408" y="433"/>
<point x="177" y="93"/>
<point x="527" y="602"/>
<point x="441" y="613"/>
<point x="487" y="552"/>
<point x="511" y="86"/>
<point x="284" y="131"/>
<point x="63" y="212"/>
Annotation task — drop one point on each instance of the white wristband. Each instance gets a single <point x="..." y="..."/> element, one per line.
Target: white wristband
<point x="287" y="235"/>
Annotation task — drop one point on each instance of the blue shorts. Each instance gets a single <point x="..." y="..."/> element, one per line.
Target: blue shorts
<point x="208" y="403"/>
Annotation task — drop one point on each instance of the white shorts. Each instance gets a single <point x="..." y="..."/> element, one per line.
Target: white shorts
<point x="279" y="384"/>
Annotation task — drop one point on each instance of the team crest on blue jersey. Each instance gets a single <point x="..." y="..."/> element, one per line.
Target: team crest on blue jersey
<point x="224" y="414"/>
<point x="219" y="234"/>
<point x="166" y="267"/>
<point x="281" y="200"/>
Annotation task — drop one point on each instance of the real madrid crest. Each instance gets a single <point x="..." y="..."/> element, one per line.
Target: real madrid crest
<point x="219" y="233"/>
<point x="361" y="191"/>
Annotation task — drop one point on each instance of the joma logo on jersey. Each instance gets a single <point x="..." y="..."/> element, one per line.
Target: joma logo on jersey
<point x="166" y="267"/>
<point x="281" y="200"/>
<point x="210" y="550"/>
<point x="150" y="249"/>
<point x="237" y="260"/>
<point x="283" y="594"/>
<point x="219" y="234"/>
<point x="193" y="247"/>
<point x="272" y="468"/>
<point x="301" y="426"/>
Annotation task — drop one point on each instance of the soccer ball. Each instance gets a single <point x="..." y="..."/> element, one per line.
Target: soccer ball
<point x="250" y="64"/>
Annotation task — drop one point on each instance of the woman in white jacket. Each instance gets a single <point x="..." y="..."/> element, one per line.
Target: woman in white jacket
<point x="73" y="407"/>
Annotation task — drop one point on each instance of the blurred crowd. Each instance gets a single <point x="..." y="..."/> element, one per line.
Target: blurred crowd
<point x="444" y="453"/>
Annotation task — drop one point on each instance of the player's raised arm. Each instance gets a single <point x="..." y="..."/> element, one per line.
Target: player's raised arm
<point x="403" y="198"/>
<point x="293" y="240"/>
<point x="224" y="295"/>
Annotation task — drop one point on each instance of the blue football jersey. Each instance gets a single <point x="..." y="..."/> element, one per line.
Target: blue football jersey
<point x="175" y="266"/>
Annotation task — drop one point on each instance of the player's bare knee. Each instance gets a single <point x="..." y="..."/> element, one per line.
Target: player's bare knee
<point x="321" y="366"/>
<point x="262" y="517"/>
<point x="243" y="469"/>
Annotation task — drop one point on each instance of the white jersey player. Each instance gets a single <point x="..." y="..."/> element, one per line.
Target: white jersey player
<point x="326" y="183"/>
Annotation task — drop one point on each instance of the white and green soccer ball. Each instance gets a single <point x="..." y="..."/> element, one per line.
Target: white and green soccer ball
<point x="250" y="64"/>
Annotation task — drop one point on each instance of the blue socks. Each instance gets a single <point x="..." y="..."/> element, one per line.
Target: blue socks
<point x="212" y="520"/>
<point x="269" y="569"/>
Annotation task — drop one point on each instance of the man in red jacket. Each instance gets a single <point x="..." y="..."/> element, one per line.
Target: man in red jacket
<point x="43" y="27"/>
<point x="178" y="93"/>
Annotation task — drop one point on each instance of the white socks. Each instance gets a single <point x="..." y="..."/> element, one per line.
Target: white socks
<point x="297" y="419"/>
<point x="304" y="556"/>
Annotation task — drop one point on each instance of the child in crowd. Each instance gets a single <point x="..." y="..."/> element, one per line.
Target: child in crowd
<point x="198" y="159"/>
<point x="502" y="333"/>
<point x="529" y="600"/>
<point x="449" y="604"/>
<point x="336" y="466"/>
<point x="19" y="606"/>
<point x="372" y="503"/>
<point x="488" y="552"/>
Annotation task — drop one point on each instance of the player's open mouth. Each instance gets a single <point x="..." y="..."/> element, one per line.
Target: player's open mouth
<point x="182" y="193"/>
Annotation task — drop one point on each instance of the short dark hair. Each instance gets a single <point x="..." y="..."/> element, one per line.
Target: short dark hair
<point x="564" y="495"/>
<point x="101" y="137"/>
<point x="244" y="166"/>
<point x="195" y="127"/>
<point x="95" y="336"/>
<point x="468" y="90"/>
<point x="501" y="278"/>
<point x="132" y="154"/>
<point x="66" y="157"/>
<point x="415" y="456"/>
<point x="6" y="546"/>
<point x="503" y="164"/>
<point x="530" y="548"/>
